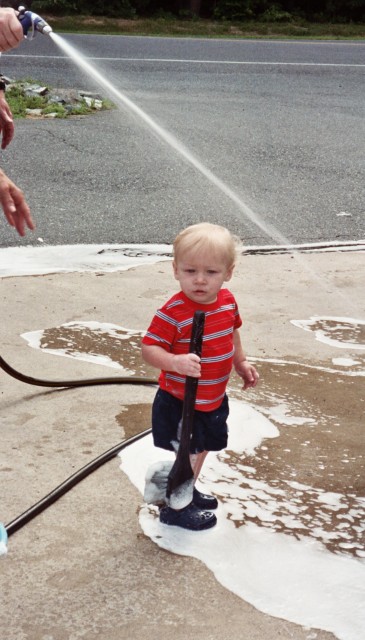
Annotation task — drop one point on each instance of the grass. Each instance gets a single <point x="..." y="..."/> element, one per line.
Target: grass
<point x="19" y="102"/>
<point x="205" y="28"/>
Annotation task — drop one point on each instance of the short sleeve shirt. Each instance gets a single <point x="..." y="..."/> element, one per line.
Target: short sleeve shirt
<point x="171" y="329"/>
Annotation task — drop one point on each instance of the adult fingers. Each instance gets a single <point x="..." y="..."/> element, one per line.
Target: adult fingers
<point x="22" y="213"/>
<point x="11" y="32"/>
<point x="7" y="133"/>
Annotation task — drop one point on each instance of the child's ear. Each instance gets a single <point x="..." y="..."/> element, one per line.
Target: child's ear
<point x="174" y="266"/>
<point x="229" y="273"/>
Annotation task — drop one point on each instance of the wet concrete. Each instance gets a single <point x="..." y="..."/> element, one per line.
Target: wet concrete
<point x="321" y="405"/>
<point x="83" y="569"/>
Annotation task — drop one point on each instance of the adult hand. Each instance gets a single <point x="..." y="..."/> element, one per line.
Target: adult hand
<point x="6" y="122"/>
<point x="14" y="206"/>
<point x="11" y="32"/>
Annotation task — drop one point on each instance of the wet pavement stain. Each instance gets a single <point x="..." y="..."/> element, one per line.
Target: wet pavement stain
<point x="310" y="480"/>
<point x="76" y="339"/>
<point x="134" y="418"/>
<point x="307" y="482"/>
<point x="339" y="331"/>
<point x="344" y="332"/>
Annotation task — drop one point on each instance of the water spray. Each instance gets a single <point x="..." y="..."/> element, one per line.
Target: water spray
<point x="32" y="22"/>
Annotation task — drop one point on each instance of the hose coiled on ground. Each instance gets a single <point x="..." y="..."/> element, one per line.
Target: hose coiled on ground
<point x="65" y="486"/>
<point x="72" y="383"/>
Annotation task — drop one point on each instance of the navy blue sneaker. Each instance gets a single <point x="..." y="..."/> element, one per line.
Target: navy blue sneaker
<point x="204" y="501"/>
<point x="191" y="517"/>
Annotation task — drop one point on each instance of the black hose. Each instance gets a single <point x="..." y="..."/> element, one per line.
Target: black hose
<point x="59" y="491"/>
<point x="72" y="383"/>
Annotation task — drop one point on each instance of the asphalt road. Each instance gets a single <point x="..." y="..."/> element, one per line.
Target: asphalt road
<point x="280" y="123"/>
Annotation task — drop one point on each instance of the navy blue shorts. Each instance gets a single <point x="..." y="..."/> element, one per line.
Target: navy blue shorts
<point x="210" y="430"/>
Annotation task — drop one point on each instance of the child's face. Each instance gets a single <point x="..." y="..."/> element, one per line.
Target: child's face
<point x="201" y="277"/>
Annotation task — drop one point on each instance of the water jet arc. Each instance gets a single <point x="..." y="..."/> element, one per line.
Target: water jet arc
<point x="166" y="137"/>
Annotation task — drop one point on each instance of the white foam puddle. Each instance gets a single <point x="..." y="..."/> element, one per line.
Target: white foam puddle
<point x="295" y="578"/>
<point x="345" y="362"/>
<point x="44" y="259"/>
<point x="27" y="261"/>
<point x="281" y="413"/>
<point x="343" y="333"/>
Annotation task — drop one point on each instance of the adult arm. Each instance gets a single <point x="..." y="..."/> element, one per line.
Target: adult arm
<point x="6" y="121"/>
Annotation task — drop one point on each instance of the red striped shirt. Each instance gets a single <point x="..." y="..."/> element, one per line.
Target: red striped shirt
<point x="171" y="329"/>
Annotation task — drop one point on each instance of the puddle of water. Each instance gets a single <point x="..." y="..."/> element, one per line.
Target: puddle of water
<point x="290" y="486"/>
<point x="314" y="449"/>
<point x="97" y="342"/>
<point x="102" y="343"/>
<point x="343" y="333"/>
<point x="134" y="418"/>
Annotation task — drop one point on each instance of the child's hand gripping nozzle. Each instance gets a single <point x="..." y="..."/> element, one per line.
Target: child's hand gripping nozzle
<point x="173" y="483"/>
<point x="32" y="22"/>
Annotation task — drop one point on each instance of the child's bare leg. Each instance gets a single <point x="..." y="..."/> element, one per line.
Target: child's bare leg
<point x="201" y="500"/>
<point x="197" y="461"/>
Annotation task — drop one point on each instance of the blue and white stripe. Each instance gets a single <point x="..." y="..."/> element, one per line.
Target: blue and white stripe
<point x="208" y="383"/>
<point x="156" y="338"/>
<point x="211" y="400"/>
<point x="219" y="334"/>
<point x="202" y="383"/>
<point x="220" y="358"/>
<point x="175" y="303"/>
<point x="170" y="376"/>
<point x="210" y="336"/>
<point x="166" y="318"/>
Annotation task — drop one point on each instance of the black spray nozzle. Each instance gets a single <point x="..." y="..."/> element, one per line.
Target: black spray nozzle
<point x="31" y="21"/>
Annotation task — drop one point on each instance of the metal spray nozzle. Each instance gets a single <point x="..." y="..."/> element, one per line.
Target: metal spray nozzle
<point x="32" y="21"/>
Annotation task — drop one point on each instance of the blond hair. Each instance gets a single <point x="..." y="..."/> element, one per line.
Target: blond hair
<point x="203" y="237"/>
